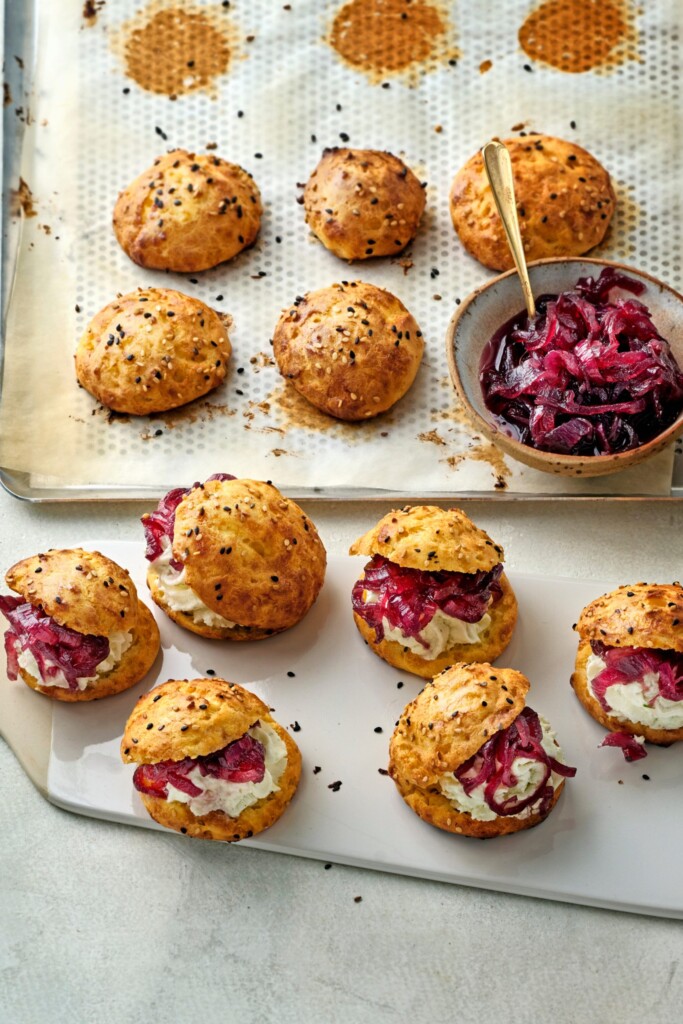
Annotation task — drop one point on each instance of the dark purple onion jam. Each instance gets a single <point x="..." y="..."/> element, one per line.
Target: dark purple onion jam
<point x="587" y="376"/>
<point x="625" y="665"/>
<point x="493" y="766"/>
<point x="409" y="598"/>
<point x="241" y="761"/>
<point x="631" y="748"/>
<point x="55" y="648"/>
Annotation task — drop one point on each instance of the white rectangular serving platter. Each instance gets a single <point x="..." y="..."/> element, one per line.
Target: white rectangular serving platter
<point x="608" y="843"/>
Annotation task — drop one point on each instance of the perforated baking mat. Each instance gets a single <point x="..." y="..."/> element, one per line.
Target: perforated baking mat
<point x="285" y="94"/>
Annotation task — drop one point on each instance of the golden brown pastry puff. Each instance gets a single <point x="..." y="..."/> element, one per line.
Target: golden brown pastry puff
<point x="212" y="763"/>
<point x="77" y="631"/>
<point x="233" y="559"/>
<point x="152" y="350"/>
<point x="434" y="591"/>
<point x="362" y="203"/>
<point x="469" y="757"/>
<point x="629" y="665"/>
<point x="188" y="212"/>
<point x="565" y="202"/>
<point x="351" y="349"/>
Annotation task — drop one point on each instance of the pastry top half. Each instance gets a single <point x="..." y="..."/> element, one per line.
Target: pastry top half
<point x="363" y="202"/>
<point x="564" y="197"/>
<point x="431" y="539"/>
<point x="351" y="349"/>
<point x="153" y="349"/>
<point x="198" y="717"/>
<point x="452" y="717"/>
<point x="641" y="615"/>
<point x="188" y="212"/>
<point x="249" y="553"/>
<point x="82" y="590"/>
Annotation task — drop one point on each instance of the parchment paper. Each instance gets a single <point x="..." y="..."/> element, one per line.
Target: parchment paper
<point x="88" y="137"/>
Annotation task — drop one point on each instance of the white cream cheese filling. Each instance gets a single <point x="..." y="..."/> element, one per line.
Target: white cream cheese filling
<point x="178" y="596"/>
<point x="630" y="701"/>
<point x="234" y="797"/>
<point x="528" y="771"/>
<point x="439" y="635"/>
<point x="118" y="645"/>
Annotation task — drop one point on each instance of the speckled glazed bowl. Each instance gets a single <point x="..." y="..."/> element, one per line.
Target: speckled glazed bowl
<point x="490" y="306"/>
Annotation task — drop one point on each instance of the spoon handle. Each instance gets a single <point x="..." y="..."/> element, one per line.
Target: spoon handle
<point x="499" y="172"/>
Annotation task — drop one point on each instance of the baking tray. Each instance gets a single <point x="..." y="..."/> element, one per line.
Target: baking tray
<point x="340" y="695"/>
<point x="466" y="105"/>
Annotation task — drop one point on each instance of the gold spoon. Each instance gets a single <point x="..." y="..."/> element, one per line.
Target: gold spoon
<point x="499" y="172"/>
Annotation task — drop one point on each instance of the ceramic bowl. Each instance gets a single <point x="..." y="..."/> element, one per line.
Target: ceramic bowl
<point x="487" y="308"/>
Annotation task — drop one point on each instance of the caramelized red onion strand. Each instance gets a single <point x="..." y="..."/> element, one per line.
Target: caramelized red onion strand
<point x="493" y="766"/>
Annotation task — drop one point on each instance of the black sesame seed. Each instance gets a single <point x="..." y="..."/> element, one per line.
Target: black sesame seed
<point x="378" y="728"/>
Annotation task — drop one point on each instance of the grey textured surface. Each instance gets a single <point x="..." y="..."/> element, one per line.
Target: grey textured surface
<point x="105" y="923"/>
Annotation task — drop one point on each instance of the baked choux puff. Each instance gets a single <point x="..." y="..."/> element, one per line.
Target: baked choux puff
<point x="362" y="203"/>
<point x="77" y="630"/>
<point x="233" y="559"/>
<point x="434" y="591"/>
<point x="352" y="350"/>
<point x="212" y="763"/>
<point x="152" y="350"/>
<point x="188" y="212"/>
<point x="565" y="202"/>
<point x="469" y="757"/>
<point x="629" y="665"/>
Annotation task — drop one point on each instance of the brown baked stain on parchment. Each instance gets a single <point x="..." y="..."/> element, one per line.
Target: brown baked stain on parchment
<point x="91" y="8"/>
<point x="485" y="451"/>
<point x="478" y="450"/>
<point x="384" y="38"/>
<point x="173" y="48"/>
<point x="285" y="410"/>
<point x="23" y="201"/>
<point x="580" y="35"/>
<point x="431" y="437"/>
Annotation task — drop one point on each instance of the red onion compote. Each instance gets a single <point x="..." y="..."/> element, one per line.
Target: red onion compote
<point x="586" y="376"/>
<point x="243" y="760"/>
<point x="625" y="665"/>
<point x="55" y="648"/>
<point x="493" y="766"/>
<point x="409" y="598"/>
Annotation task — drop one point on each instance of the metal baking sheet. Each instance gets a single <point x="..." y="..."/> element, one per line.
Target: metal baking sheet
<point x="78" y="128"/>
